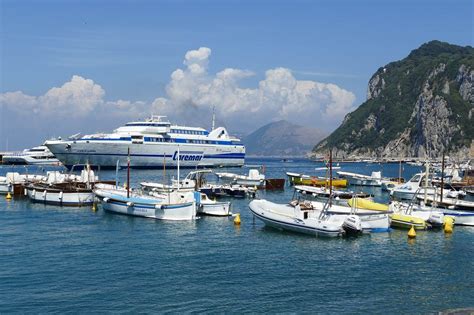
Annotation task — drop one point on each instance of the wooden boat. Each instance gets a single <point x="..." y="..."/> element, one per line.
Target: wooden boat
<point x="301" y="179"/>
<point x="64" y="189"/>
<point x="174" y="205"/>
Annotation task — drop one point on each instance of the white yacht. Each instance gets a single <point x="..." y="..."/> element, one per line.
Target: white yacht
<point x="153" y="143"/>
<point x="35" y="156"/>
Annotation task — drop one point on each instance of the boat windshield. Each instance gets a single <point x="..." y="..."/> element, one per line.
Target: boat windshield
<point x="415" y="179"/>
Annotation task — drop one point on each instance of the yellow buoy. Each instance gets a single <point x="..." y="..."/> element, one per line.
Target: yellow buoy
<point x="448" y="228"/>
<point x="448" y="224"/>
<point x="412" y="232"/>
<point x="9" y="196"/>
<point x="448" y="220"/>
<point x="237" y="219"/>
<point x="94" y="207"/>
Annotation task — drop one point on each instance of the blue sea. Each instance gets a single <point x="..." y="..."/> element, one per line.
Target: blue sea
<point x="75" y="260"/>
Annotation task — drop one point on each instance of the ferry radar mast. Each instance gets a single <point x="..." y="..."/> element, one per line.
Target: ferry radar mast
<point x="213" y="118"/>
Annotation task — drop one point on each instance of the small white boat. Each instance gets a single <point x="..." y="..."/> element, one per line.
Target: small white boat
<point x="296" y="219"/>
<point x="212" y="207"/>
<point x="11" y="179"/>
<point x="174" y="205"/>
<point x="460" y="217"/>
<point x="414" y="186"/>
<point x="254" y="179"/>
<point x="39" y="155"/>
<point x="184" y="185"/>
<point x="375" y="179"/>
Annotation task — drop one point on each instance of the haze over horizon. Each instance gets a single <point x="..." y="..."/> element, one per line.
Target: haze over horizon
<point x="69" y="67"/>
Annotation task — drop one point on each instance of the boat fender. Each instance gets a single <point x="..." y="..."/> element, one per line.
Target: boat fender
<point x="129" y="204"/>
<point x="44" y="194"/>
<point x="106" y="199"/>
<point x="61" y="195"/>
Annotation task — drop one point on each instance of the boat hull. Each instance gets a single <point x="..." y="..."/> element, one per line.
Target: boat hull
<point x="285" y="222"/>
<point x="220" y="209"/>
<point x="180" y="212"/>
<point x="295" y="180"/>
<point x="406" y="222"/>
<point x="61" y="198"/>
<point x="460" y="217"/>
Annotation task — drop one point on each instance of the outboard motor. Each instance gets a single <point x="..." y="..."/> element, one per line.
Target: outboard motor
<point x="436" y="219"/>
<point x="352" y="225"/>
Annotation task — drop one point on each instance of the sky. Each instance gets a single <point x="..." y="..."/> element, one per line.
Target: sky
<point x="90" y="66"/>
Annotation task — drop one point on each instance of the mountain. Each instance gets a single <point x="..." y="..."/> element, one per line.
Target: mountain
<point x="282" y="138"/>
<point x="419" y="106"/>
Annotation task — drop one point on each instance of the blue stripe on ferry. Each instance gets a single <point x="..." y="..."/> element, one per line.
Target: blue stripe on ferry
<point x="225" y="156"/>
<point x="215" y="156"/>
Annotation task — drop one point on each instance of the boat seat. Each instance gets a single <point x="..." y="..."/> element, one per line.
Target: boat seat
<point x="304" y="205"/>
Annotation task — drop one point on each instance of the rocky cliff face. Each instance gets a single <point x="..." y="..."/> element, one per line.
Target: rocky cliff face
<point x="420" y="106"/>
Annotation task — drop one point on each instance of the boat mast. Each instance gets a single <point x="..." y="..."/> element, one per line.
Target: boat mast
<point x="400" y="172"/>
<point x="128" y="173"/>
<point x="427" y="173"/>
<point x="330" y="177"/>
<point x="213" y="118"/>
<point x="442" y="178"/>
<point x="178" y="166"/>
<point x="116" y="174"/>
<point x="164" y="167"/>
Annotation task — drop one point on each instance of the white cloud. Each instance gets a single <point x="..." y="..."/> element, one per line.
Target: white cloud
<point x="278" y="96"/>
<point x="79" y="96"/>
<point x="191" y="94"/>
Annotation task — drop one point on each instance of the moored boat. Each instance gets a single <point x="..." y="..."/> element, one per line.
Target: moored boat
<point x="375" y="179"/>
<point x="212" y="207"/>
<point x="64" y="189"/>
<point x="39" y="155"/>
<point x="326" y="192"/>
<point x="296" y="219"/>
<point x="174" y="205"/>
<point x="301" y="179"/>
<point x="153" y="142"/>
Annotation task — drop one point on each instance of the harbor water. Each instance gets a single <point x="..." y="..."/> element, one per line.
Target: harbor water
<point x="75" y="260"/>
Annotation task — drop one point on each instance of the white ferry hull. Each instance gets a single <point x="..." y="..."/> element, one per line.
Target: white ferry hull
<point x="146" y="155"/>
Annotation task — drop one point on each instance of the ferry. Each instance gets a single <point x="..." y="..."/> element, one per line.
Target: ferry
<point x="152" y="143"/>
